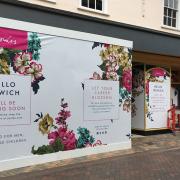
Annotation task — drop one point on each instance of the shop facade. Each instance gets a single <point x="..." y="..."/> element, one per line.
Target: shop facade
<point x="57" y="99"/>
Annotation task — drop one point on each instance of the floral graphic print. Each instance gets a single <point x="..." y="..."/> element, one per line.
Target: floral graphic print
<point x="137" y="87"/>
<point x="60" y="137"/>
<point x="116" y="66"/>
<point x="23" y="62"/>
<point x="153" y="75"/>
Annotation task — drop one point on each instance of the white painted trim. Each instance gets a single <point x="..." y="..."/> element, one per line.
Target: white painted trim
<point x="92" y="11"/>
<point x="170" y="28"/>
<point x="26" y="26"/>
<point x="49" y="1"/>
<point x="40" y="159"/>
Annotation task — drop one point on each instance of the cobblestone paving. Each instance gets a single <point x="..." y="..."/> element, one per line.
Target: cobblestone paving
<point x="151" y="158"/>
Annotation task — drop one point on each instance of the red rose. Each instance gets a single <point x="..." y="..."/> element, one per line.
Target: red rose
<point x="157" y="72"/>
<point x="127" y="80"/>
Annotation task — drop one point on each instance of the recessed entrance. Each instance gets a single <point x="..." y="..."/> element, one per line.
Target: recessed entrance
<point x="155" y="89"/>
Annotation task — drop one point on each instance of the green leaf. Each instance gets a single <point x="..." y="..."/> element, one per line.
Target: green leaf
<point x="45" y="149"/>
<point x="103" y="66"/>
<point x="57" y="145"/>
<point x="119" y="71"/>
<point x="104" y="76"/>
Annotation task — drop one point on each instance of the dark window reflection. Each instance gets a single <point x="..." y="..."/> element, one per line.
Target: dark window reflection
<point x="92" y="4"/>
<point x="99" y="5"/>
<point x="84" y="3"/>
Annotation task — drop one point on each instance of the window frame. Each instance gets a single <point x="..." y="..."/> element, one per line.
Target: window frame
<point x="176" y="10"/>
<point x="103" y="11"/>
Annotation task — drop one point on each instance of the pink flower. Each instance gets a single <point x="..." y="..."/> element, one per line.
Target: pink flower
<point x="67" y="138"/>
<point x="106" y="45"/>
<point x="53" y="136"/>
<point x="112" y="75"/>
<point x="112" y="58"/>
<point x="88" y="144"/>
<point x="96" y="76"/>
<point x="115" y="66"/>
<point x="21" y="61"/>
<point x="65" y="114"/>
<point x="35" y="70"/>
<point x="157" y="72"/>
<point x="109" y="68"/>
<point x="97" y="143"/>
<point x="127" y="79"/>
<point x="62" y="117"/>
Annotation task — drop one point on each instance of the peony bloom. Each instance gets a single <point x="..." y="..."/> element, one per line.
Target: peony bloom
<point x="45" y="124"/>
<point x="21" y="61"/>
<point x="35" y="70"/>
<point x="109" y="68"/>
<point x="115" y="66"/>
<point x="112" y="76"/>
<point x="127" y="79"/>
<point x="157" y="72"/>
<point x="67" y="138"/>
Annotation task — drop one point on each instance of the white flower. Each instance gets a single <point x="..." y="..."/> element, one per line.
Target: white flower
<point x="1" y="50"/>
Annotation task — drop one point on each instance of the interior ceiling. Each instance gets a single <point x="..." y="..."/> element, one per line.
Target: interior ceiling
<point x="156" y="59"/>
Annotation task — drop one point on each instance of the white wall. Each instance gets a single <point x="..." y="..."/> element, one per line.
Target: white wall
<point x="144" y="13"/>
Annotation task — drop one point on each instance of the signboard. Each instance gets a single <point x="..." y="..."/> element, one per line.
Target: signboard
<point x="101" y="100"/>
<point x="15" y="95"/>
<point x="159" y="103"/>
<point x="158" y="99"/>
<point x="59" y="94"/>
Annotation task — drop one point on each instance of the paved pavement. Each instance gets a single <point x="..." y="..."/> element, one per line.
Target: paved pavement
<point x="151" y="158"/>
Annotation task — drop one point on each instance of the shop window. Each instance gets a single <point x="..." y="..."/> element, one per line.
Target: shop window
<point x="93" y="4"/>
<point x="170" y="13"/>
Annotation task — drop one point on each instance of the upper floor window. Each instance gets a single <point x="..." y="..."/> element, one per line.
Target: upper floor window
<point x="93" y="4"/>
<point x="170" y="13"/>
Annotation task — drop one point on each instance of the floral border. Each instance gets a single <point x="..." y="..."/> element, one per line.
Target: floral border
<point x="24" y="62"/>
<point x="60" y="137"/>
<point x="116" y="66"/>
<point x="137" y="88"/>
<point x="153" y="75"/>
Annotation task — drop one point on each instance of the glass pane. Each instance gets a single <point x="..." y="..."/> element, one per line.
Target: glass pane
<point x="173" y="22"/>
<point x="171" y="4"/>
<point x="84" y="3"/>
<point x="169" y="21"/>
<point x="170" y="12"/>
<point x="174" y="14"/>
<point x="165" y="20"/>
<point x="175" y="4"/>
<point x="92" y="4"/>
<point x="165" y="2"/>
<point x="99" y="5"/>
<point x="165" y="11"/>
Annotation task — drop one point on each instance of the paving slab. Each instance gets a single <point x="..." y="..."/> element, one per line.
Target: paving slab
<point x="152" y="157"/>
